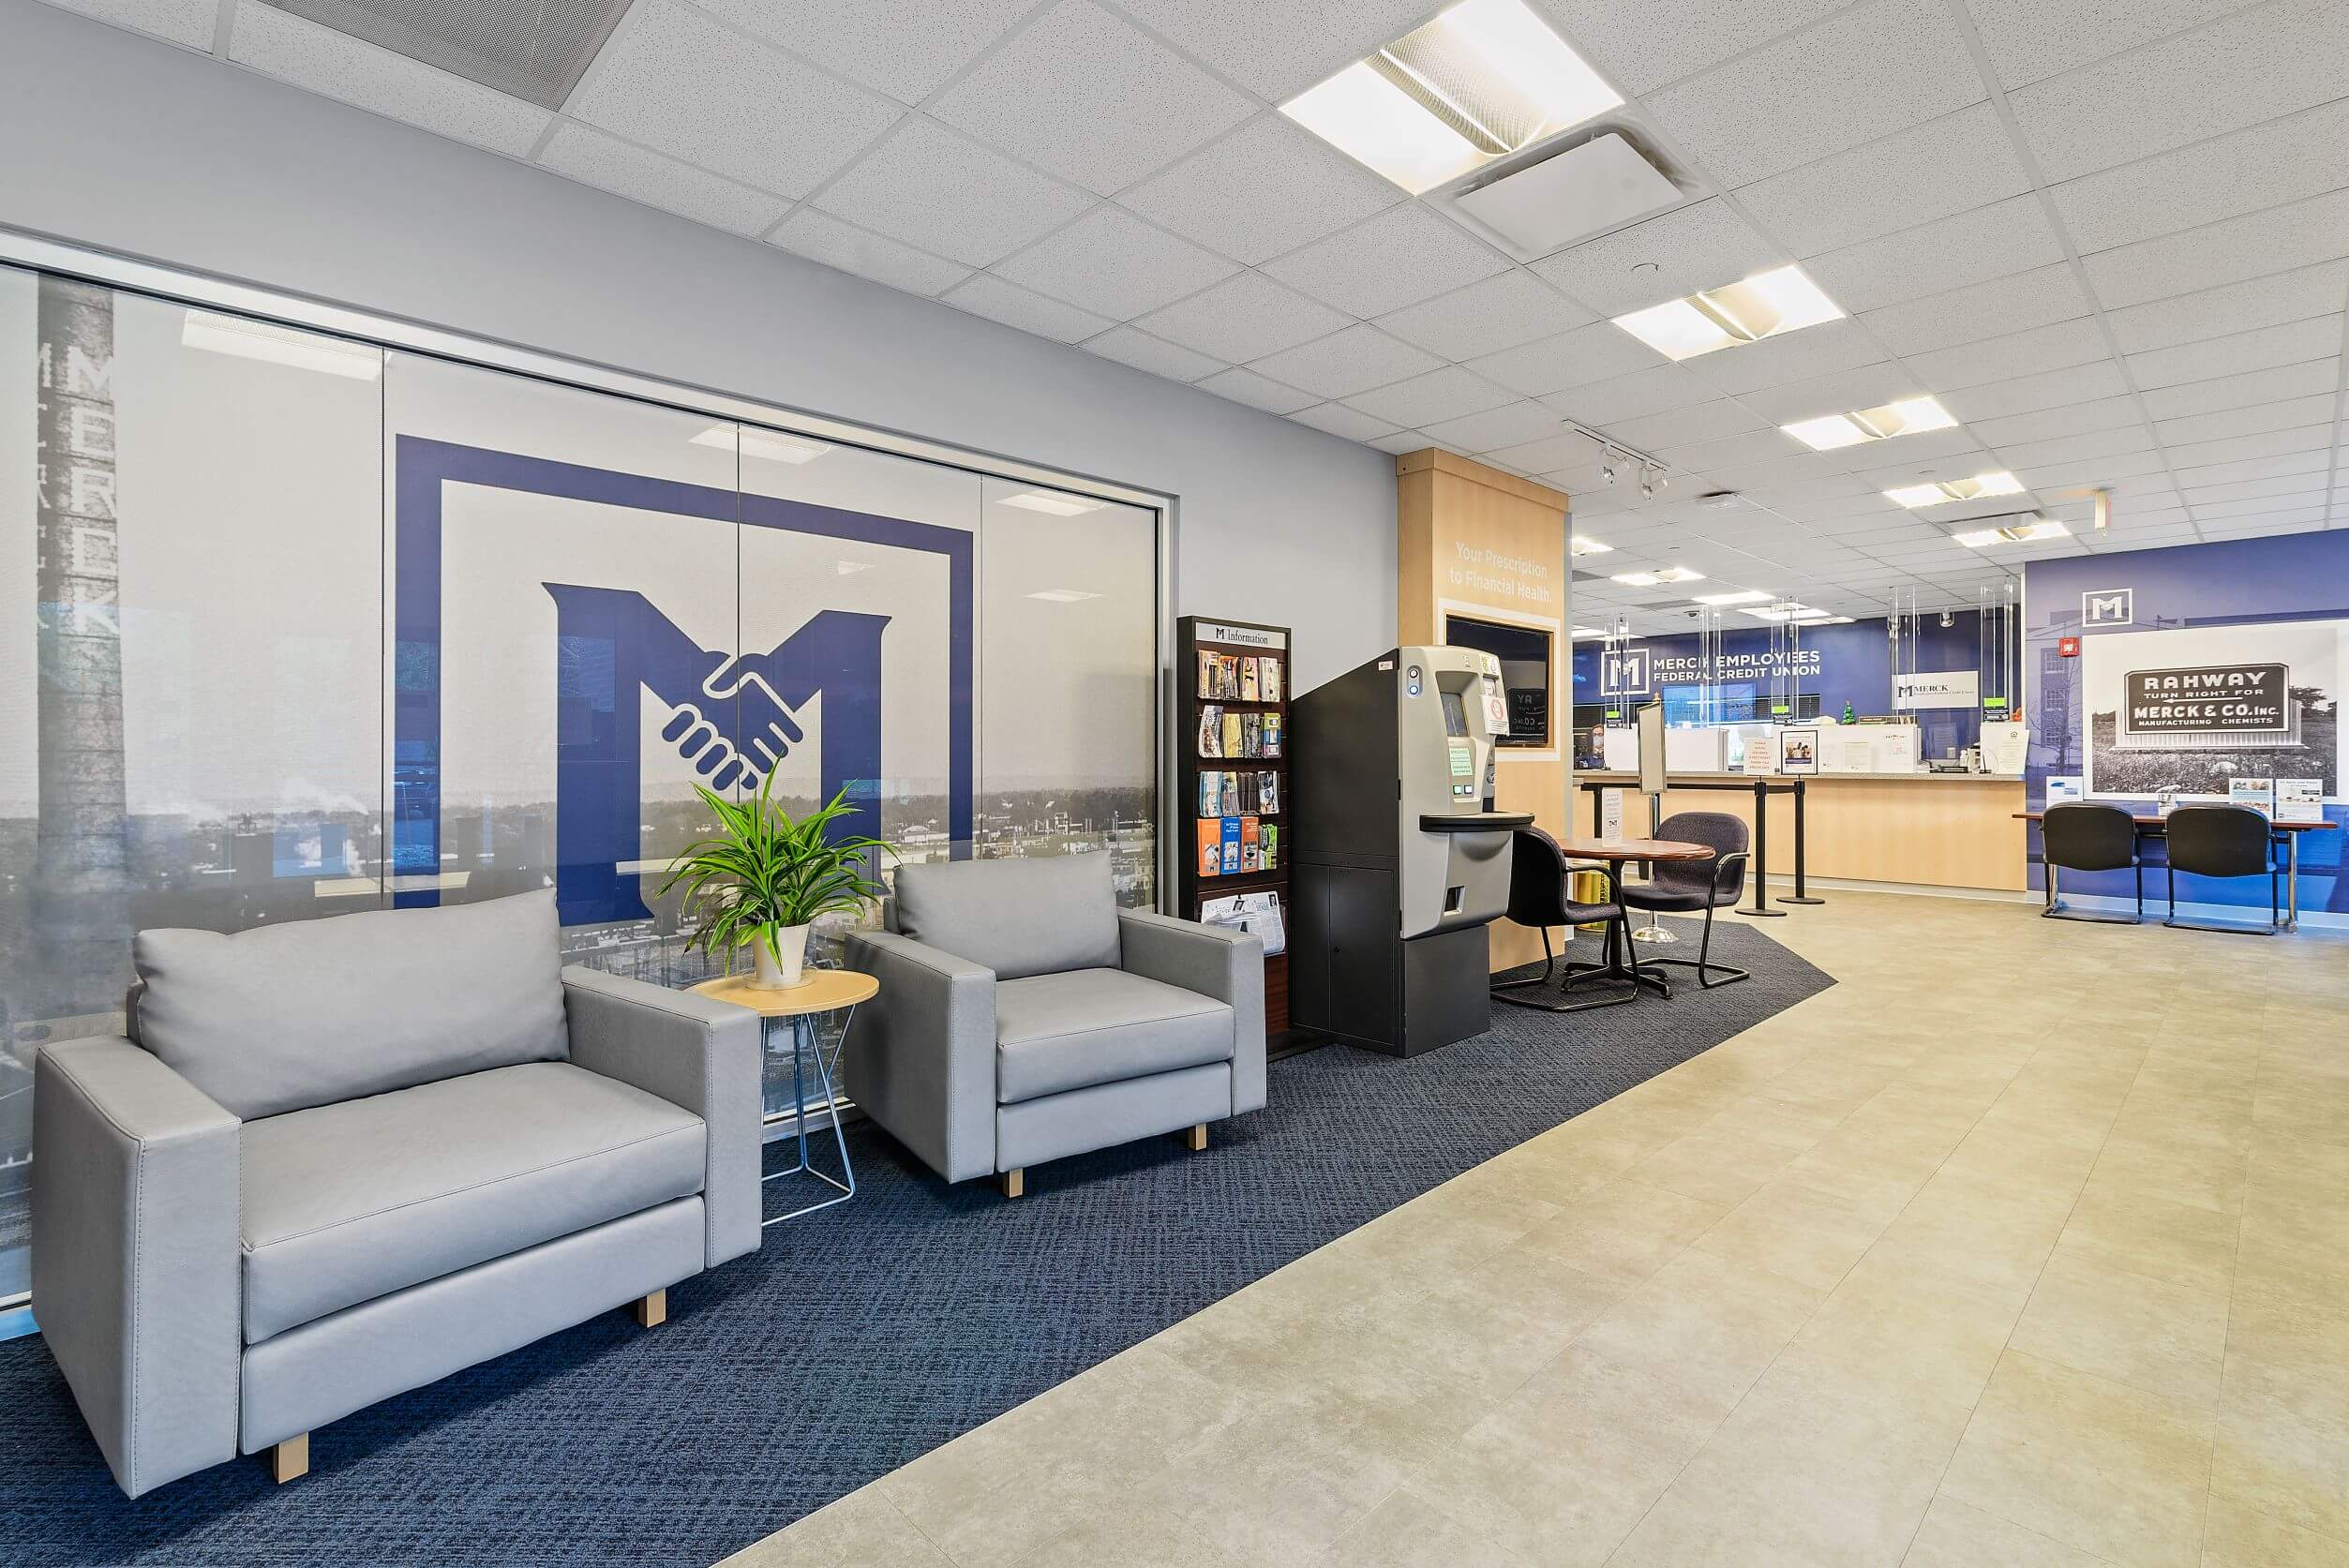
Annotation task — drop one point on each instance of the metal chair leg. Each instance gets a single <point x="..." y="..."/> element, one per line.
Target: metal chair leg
<point x="1706" y="969"/>
<point x="1566" y="980"/>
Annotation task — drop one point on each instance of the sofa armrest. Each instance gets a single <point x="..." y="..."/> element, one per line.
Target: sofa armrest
<point x="700" y="1054"/>
<point x="137" y="1256"/>
<point x="1214" y="961"/>
<point x="920" y="1056"/>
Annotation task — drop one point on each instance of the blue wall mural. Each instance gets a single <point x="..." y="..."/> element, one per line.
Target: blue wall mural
<point x="2205" y="607"/>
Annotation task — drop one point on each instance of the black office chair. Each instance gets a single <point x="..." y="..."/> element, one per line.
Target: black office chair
<point x="1537" y="898"/>
<point x="2223" y="841"/>
<point x="1678" y="886"/>
<point x="2079" y="835"/>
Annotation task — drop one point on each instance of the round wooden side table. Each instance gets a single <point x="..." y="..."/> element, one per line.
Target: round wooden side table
<point x="1615" y="852"/>
<point x="795" y="1013"/>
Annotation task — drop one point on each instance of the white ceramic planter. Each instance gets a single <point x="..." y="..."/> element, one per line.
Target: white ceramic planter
<point x="780" y="974"/>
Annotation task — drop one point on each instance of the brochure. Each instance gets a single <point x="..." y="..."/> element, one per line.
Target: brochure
<point x="1247" y="681"/>
<point x="1211" y="731"/>
<point x="1271" y="736"/>
<point x="1231" y="846"/>
<point x="1211" y="847"/>
<point x="2258" y="793"/>
<point x="2299" y="800"/>
<point x="1256" y="913"/>
<point x="1269" y="678"/>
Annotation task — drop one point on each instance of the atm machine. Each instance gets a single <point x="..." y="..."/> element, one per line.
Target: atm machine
<point x="1399" y="859"/>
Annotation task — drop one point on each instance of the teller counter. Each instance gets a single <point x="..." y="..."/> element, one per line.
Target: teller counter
<point x="1955" y="831"/>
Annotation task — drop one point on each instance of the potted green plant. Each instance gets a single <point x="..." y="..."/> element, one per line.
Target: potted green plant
<point x="763" y="877"/>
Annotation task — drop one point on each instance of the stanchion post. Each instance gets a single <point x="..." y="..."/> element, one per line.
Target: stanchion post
<point x="1760" y="865"/>
<point x="1801" y="893"/>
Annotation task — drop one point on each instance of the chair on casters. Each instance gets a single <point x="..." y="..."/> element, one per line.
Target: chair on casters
<point x="2223" y="841"/>
<point x="2079" y="835"/>
<point x="1537" y="898"/>
<point x="1681" y="886"/>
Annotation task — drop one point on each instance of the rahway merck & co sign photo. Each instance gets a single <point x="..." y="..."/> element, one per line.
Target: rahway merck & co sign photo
<point x="2210" y="699"/>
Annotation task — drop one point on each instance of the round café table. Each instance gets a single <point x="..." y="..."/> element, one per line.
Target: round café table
<point x="795" y="1011"/>
<point x="1616" y="852"/>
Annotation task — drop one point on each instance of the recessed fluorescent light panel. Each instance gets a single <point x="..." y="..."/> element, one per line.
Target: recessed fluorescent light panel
<point x="2022" y="530"/>
<point x="1053" y="503"/>
<point x="1779" y="301"/>
<point x="1742" y="596"/>
<point x="1659" y="577"/>
<point x="1581" y="632"/>
<point x="1062" y="596"/>
<point x="302" y="350"/>
<point x="1908" y="417"/>
<point x="1803" y="615"/>
<point x="774" y="445"/>
<point x="1582" y="546"/>
<point x="1484" y="80"/>
<point x="1948" y="490"/>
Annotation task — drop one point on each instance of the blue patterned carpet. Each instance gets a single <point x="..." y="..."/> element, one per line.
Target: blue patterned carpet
<point x="864" y="1336"/>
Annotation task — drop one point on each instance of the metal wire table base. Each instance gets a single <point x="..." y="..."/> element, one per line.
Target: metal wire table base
<point x="807" y="1041"/>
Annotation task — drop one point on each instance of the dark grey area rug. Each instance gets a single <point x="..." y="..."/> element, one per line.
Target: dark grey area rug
<point x="865" y="1335"/>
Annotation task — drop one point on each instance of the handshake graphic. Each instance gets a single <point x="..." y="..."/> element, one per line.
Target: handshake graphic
<point x="738" y="727"/>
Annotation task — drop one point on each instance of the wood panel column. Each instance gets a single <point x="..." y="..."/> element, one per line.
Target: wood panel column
<point x="1479" y="543"/>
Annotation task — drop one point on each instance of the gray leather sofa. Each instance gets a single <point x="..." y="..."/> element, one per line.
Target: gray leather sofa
<point x="1023" y="1017"/>
<point x="339" y="1159"/>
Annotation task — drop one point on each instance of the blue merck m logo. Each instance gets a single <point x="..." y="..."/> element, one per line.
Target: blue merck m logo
<point x="735" y="719"/>
<point x="734" y="714"/>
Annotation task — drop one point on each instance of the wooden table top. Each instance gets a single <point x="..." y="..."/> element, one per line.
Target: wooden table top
<point x="1633" y="849"/>
<point x="2158" y="821"/>
<point x="821" y="991"/>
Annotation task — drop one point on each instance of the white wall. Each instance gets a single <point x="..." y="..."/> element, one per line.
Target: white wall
<point x="130" y="145"/>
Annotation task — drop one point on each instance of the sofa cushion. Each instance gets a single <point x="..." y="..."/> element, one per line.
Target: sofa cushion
<point x="1070" y="1031"/>
<point x="346" y="1202"/>
<point x="311" y="1011"/>
<point x="1017" y="917"/>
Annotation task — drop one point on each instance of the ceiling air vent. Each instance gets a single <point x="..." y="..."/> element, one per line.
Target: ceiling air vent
<point x="533" y="49"/>
<point x="1588" y="188"/>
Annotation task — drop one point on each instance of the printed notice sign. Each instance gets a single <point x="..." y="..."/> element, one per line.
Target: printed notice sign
<point x="2208" y="699"/>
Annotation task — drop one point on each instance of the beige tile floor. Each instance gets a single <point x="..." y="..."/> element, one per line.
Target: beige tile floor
<point x="2024" y="1246"/>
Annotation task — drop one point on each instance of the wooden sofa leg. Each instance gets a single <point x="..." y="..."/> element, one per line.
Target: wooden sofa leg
<point x="291" y="1460"/>
<point x="1015" y="1182"/>
<point x="652" y="1310"/>
<point x="1196" y="1137"/>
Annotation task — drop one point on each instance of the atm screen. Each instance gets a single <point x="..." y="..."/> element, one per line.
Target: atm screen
<point x="1454" y="714"/>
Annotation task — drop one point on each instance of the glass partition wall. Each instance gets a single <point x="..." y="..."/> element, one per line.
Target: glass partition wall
<point x="305" y="624"/>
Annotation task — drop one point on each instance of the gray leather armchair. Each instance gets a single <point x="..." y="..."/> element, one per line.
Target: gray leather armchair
<point x="1023" y="1017"/>
<point x="336" y="1160"/>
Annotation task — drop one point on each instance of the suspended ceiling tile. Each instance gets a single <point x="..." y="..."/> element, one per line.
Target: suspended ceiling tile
<point x="188" y="23"/>
<point x="1085" y="95"/>
<point x="1404" y="255"/>
<point x="1403" y="441"/>
<point x="1353" y="360"/>
<point x="1698" y="421"/>
<point x="2253" y="65"/>
<point x="1132" y="346"/>
<point x="594" y="159"/>
<point x="2250" y="420"/>
<point x="1597" y="353"/>
<point x="1278" y="51"/>
<point x="1642" y="392"/>
<point x="2307" y="440"/>
<point x="1450" y="393"/>
<point x="1257" y="392"/>
<point x="2067" y="451"/>
<point x="1510" y="424"/>
<point x="1794" y="356"/>
<point x="2036" y="298"/>
<point x="2264" y="166"/>
<point x="1115" y="265"/>
<point x="949" y="196"/>
<point x="342" y="67"/>
<point x="1727" y="452"/>
<point x="1339" y="420"/>
<point x="1646" y="44"/>
<point x="1491" y="314"/>
<point x="1990" y="242"/>
<point x="2285" y="296"/>
<point x="2029" y="40"/>
<point x="2316" y="461"/>
<point x="986" y="295"/>
<point x="904" y="48"/>
<point x="1871" y="70"/>
<point x="2065" y="419"/>
<point x="1243" y="318"/>
<point x="2254" y="245"/>
<point x="1868" y="386"/>
<point x="1934" y="170"/>
<point x="821" y="237"/>
<point x="674" y="80"/>
<point x="2264" y="349"/>
<point x="1563" y="450"/>
<point x="2305" y="380"/>
<point x="1701" y="246"/>
<point x="1266" y="189"/>
<point x="1997" y="358"/>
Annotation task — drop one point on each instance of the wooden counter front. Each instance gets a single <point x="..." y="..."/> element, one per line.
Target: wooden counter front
<point x="1924" y="829"/>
